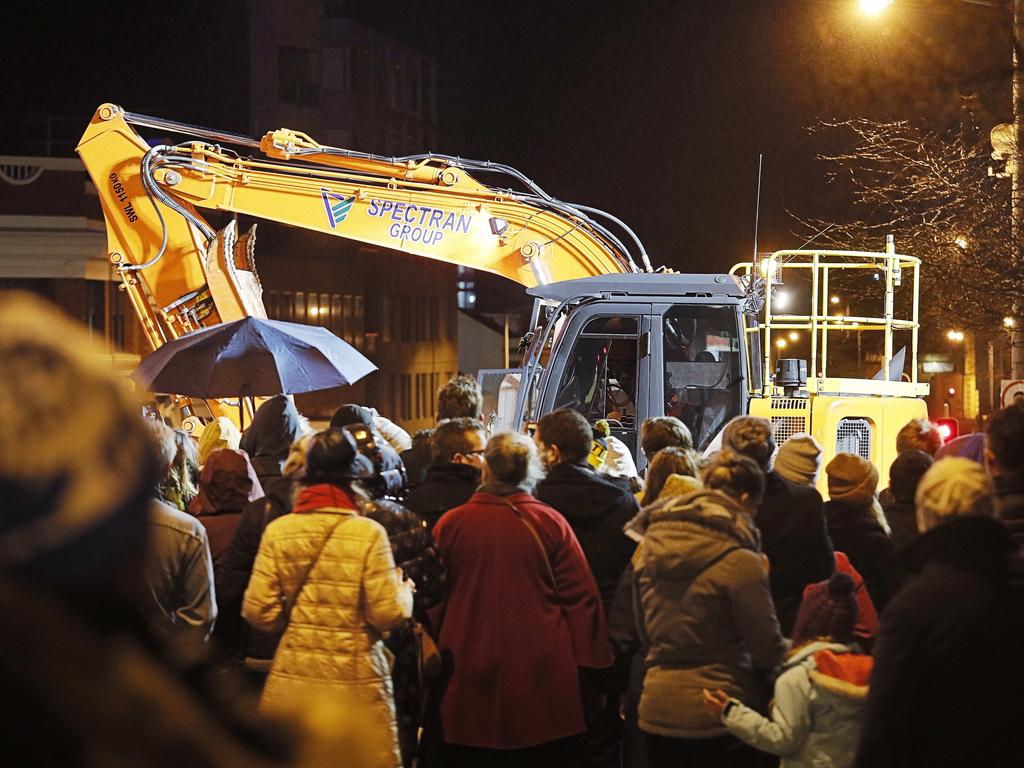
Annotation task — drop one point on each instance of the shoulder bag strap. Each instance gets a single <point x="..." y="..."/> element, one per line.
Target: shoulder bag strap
<point x="536" y="537"/>
<point x="290" y="600"/>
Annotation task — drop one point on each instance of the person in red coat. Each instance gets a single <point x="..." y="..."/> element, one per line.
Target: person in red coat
<point x="522" y="616"/>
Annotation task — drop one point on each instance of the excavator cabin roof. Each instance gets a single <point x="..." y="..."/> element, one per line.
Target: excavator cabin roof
<point x="642" y="284"/>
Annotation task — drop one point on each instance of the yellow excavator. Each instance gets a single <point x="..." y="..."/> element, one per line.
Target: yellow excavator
<point x="611" y="338"/>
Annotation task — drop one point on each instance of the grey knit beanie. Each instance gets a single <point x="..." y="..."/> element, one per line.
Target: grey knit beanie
<point x="799" y="459"/>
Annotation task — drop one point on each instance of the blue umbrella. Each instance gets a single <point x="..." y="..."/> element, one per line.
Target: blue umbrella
<point x="252" y="357"/>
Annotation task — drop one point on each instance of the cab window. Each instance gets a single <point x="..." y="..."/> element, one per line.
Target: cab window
<point x="702" y="368"/>
<point x="600" y="376"/>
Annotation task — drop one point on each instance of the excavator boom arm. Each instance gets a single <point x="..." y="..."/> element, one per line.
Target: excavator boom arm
<point x="181" y="274"/>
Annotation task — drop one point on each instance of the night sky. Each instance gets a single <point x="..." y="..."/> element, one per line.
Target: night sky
<point x="655" y="111"/>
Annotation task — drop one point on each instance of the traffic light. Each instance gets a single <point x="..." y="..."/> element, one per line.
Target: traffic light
<point x="949" y="428"/>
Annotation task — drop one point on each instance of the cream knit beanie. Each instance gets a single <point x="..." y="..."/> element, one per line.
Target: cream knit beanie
<point x="953" y="487"/>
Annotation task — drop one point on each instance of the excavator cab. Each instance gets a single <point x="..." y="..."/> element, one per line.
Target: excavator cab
<point x="629" y="348"/>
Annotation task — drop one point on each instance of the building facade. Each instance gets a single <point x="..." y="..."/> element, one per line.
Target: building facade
<point x="310" y="68"/>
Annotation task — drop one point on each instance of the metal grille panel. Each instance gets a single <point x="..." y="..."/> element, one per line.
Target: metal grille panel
<point x="854" y="435"/>
<point x="790" y="403"/>
<point x="784" y="427"/>
<point x="500" y="388"/>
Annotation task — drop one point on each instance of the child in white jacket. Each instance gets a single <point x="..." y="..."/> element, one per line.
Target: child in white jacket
<point x="820" y="695"/>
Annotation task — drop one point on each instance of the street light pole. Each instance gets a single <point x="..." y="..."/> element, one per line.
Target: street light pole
<point x="1017" y="185"/>
<point x="1015" y="165"/>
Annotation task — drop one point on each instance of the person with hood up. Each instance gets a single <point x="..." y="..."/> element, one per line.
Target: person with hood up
<point x="267" y="441"/>
<point x="325" y="575"/>
<point x="226" y="484"/>
<point x="856" y="522"/>
<point x="948" y="673"/>
<point x="671" y="472"/>
<point x="866" y="629"/>
<point x="904" y="475"/>
<point x="708" y="617"/>
<point x="819" y="697"/>
<point x="218" y="434"/>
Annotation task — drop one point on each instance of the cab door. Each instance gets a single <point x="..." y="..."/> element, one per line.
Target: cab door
<point x="601" y="367"/>
<point x="697" y="349"/>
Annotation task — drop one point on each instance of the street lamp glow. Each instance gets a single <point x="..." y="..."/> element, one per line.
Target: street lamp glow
<point x="793" y="335"/>
<point x="955" y="335"/>
<point x="874" y="7"/>
<point x="834" y="299"/>
<point x="1009" y="322"/>
<point x="781" y="343"/>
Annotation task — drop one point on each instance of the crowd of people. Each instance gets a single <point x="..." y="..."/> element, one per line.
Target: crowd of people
<point x="351" y="596"/>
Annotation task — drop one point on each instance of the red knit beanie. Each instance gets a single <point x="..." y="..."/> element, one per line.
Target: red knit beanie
<point x="829" y="609"/>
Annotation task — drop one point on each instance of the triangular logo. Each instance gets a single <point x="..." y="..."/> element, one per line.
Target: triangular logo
<point x="337" y="207"/>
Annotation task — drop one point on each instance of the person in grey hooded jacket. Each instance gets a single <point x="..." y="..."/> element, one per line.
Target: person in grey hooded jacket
<point x="708" y="617"/>
<point x="819" y="697"/>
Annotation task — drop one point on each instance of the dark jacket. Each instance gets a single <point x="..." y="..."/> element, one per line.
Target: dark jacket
<point x="708" y="616"/>
<point x="857" y="533"/>
<point x="630" y="665"/>
<point x="413" y="548"/>
<point x="267" y="441"/>
<point x="415" y="552"/>
<point x="902" y="517"/>
<point x="796" y="541"/>
<point x="417" y="463"/>
<point x="948" y="672"/>
<point x="1009" y="503"/>
<point x="597" y="509"/>
<point x="447" y="486"/>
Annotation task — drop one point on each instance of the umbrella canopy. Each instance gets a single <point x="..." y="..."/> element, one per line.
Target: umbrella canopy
<point x="252" y="357"/>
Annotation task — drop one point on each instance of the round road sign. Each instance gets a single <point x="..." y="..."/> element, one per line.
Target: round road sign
<point x="1012" y="389"/>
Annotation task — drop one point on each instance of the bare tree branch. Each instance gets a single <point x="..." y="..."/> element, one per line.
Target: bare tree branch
<point x="933" y="192"/>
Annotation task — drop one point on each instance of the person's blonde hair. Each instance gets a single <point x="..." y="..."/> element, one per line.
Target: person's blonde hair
<point x="512" y="459"/>
<point x="666" y="462"/>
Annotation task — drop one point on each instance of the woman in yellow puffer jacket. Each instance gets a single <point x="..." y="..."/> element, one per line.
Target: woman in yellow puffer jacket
<point x="335" y="571"/>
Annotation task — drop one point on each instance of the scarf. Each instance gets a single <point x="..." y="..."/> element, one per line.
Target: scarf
<point x="323" y="496"/>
